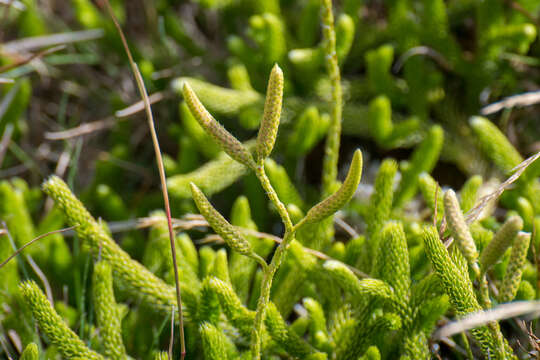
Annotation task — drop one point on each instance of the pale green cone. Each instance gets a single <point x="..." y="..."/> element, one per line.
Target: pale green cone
<point x="337" y="200"/>
<point x="495" y="144"/>
<point x="271" y="115"/>
<point x="228" y="142"/>
<point x="512" y="277"/>
<point x="222" y="227"/>
<point x="458" y="227"/>
<point x="502" y="240"/>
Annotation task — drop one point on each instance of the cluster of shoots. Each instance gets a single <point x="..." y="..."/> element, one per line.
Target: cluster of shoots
<point x="255" y="162"/>
<point x="381" y="294"/>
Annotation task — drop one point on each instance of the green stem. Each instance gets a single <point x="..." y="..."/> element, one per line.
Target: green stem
<point x="270" y="270"/>
<point x="272" y="195"/>
<point x="264" y="298"/>
<point x="331" y="151"/>
<point x="467" y="346"/>
<point x="485" y="301"/>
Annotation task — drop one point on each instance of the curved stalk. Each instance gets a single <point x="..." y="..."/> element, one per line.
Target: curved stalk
<point x="270" y="270"/>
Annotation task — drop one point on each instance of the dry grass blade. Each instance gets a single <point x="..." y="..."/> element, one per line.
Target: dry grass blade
<point x="159" y="160"/>
<point x="473" y="214"/>
<point x="525" y="99"/>
<point x="320" y="255"/>
<point x="81" y="130"/>
<point x="33" y="241"/>
<point x="39" y="42"/>
<point x="139" y="105"/>
<point x="422" y="50"/>
<point x="105" y="123"/>
<point x="31" y="57"/>
<point x="346" y="227"/>
<point x="501" y="312"/>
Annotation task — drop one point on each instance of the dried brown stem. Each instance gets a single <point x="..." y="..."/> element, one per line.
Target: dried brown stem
<point x="33" y="241"/>
<point x="159" y="161"/>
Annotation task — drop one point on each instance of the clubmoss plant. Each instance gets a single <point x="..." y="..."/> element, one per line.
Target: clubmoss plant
<point x="500" y="242"/>
<point x="108" y="312"/>
<point x="238" y="152"/>
<point x="330" y="162"/>
<point x="68" y="343"/>
<point x="458" y="286"/>
<point x="131" y="275"/>
<point x="31" y="352"/>
<point x="283" y="275"/>
<point x="512" y="276"/>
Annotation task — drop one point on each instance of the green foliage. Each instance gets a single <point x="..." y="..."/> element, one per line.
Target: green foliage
<point x="284" y="336"/>
<point x="301" y="267"/>
<point x="495" y="145"/>
<point x="131" y="275"/>
<point x="422" y="160"/>
<point x="31" y="352"/>
<point x="512" y="276"/>
<point x="337" y="200"/>
<point x="108" y="313"/>
<point x="67" y="342"/>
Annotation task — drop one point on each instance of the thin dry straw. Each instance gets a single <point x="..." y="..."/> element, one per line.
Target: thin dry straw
<point x="39" y="42"/>
<point x="159" y="160"/>
<point x="107" y="122"/>
<point x="473" y="214"/>
<point x="422" y="50"/>
<point x="33" y="241"/>
<point x="525" y="99"/>
<point x="31" y="57"/>
<point x="501" y="312"/>
<point x="217" y="239"/>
